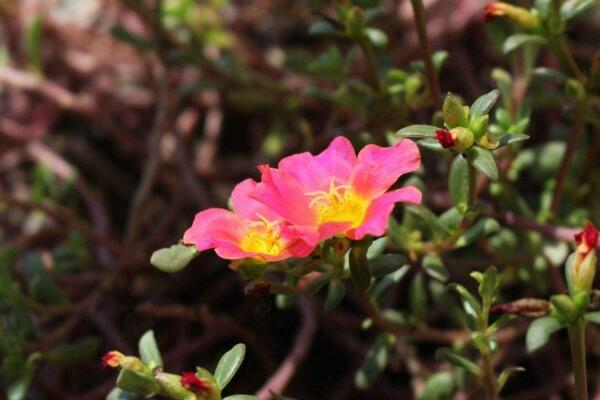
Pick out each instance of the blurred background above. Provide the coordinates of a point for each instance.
(119, 120)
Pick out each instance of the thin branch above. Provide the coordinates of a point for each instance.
(282, 377)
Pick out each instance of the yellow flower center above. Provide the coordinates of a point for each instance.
(339, 204)
(262, 237)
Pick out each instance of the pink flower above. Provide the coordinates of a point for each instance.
(251, 231)
(337, 192)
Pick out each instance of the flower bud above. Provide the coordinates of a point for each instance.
(455, 114)
(563, 308)
(112, 359)
(519, 15)
(202, 384)
(171, 386)
(581, 265)
(459, 139)
(116, 359)
(488, 141)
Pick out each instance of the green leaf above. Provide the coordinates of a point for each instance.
(40, 284)
(489, 284)
(377, 37)
(383, 287)
(468, 299)
(33, 43)
(241, 397)
(593, 317)
(517, 40)
(572, 8)
(137, 382)
(539, 332)
(386, 264)
(430, 219)
(375, 361)
(510, 138)
(500, 323)
(17, 389)
(417, 297)
(174, 258)
(229, 364)
(335, 294)
(322, 28)
(455, 114)
(454, 358)
(503, 378)
(418, 131)
(120, 394)
(480, 229)
(439, 386)
(484, 161)
(359, 267)
(458, 183)
(431, 144)
(434, 266)
(148, 349)
(484, 104)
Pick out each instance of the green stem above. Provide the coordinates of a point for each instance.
(432, 79)
(577, 341)
(489, 377)
(560, 49)
(371, 65)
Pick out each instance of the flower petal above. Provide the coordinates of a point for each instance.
(316, 172)
(282, 193)
(248, 207)
(378, 213)
(213, 227)
(377, 168)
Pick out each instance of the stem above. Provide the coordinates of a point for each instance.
(489, 378)
(577, 341)
(432, 79)
(560, 49)
(371, 65)
(572, 142)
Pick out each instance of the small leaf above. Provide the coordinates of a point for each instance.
(434, 266)
(593, 317)
(387, 282)
(417, 297)
(148, 350)
(517, 40)
(539, 332)
(174, 258)
(484, 104)
(489, 284)
(335, 294)
(484, 161)
(229, 364)
(430, 219)
(386, 264)
(439, 386)
(458, 183)
(572, 8)
(432, 144)
(377, 37)
(321, 28)
(480, 229)
(375, 361)
(505, 375)
(510, 138)
(418, 131)
(467, 297)
(455, 114)
(500, 323)
(120, 394)
(454, 358)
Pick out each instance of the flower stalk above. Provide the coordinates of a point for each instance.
(577, 341)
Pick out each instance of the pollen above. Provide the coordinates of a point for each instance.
(339, 204)
(262, 237)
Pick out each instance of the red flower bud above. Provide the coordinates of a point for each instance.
(112, 359)
(445, 138)
(190, 381)
(492, 11)
(588, 237)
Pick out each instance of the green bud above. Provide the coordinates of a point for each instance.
(170, 386)
(563, 308)
(455, 114)
(213, 392)
(488, 141)
(464, 138)
(580, 270)
(479, 126)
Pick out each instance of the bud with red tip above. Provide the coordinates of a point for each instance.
(112, 359)
(581, 265)
(519, 15)
(459, 139)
